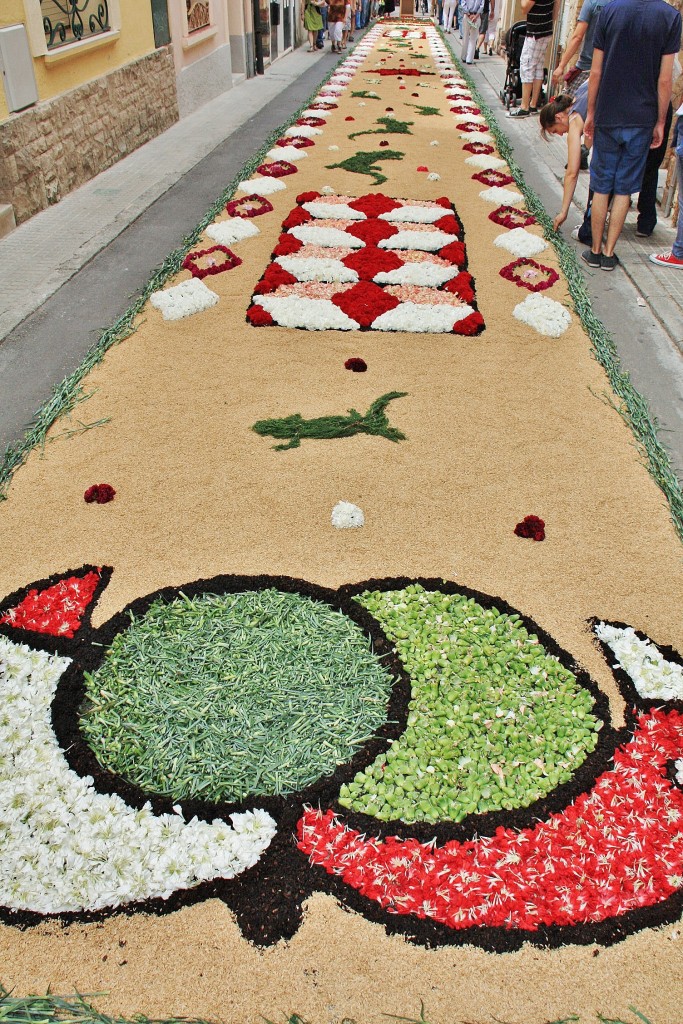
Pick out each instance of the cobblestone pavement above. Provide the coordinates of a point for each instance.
(71, 270)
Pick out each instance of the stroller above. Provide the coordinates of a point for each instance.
(511, 92)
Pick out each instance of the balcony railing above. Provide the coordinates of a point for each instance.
(70, 21)
(198, 15)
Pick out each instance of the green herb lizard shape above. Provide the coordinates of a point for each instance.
(390, 126)
(366, 163)
(294, 428)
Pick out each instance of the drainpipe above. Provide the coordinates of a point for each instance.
(258, 42)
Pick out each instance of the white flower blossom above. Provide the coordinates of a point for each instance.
(545, 315)
(500, 196)
(433, 176)
(311, 314)
(290, 153)
(261, 186)
(520, 242)
(236, 229)
(484, 162)
(345, 515)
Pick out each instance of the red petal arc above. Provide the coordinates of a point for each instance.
(56, 610)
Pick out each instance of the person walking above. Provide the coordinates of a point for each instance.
(312, 21)
(486, 14)
(449, 11)
(629, 91)
(336, 15)
(470, 29)
(675, 257)
(540, 18)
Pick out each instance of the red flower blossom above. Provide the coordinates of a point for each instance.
(356, 364)
(365, 302)
(461, 286)
(450, 224)
(259, 317)
(531, 527)
(369, 261)
(249, 206)
(422, 168)
(312, 122)
(274, 276)
(372, 231)
(389, 109)
(100, 493)
(478, 147)
(374, 205)
(228, 261)
(349, 118)
(298, 142)
(58, 610)
(296, 217)
(472, 126)
(307, 197)
(415, 94)
(445, 202)
(469, 325)
(459, 109)
(384, 143)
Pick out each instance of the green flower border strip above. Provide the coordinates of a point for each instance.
(69, 393)
(634, 408)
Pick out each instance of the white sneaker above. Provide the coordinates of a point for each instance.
(575, 233)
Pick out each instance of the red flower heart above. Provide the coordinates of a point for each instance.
(531, 527)
(422, 168)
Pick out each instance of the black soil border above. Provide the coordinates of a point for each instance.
(255, 297)
(267, 899)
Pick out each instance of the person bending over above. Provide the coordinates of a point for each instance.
(565, 115)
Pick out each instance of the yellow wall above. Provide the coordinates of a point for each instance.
(54, 77)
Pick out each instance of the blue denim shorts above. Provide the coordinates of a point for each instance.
(618, 159)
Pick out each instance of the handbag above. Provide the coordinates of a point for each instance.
(573, 73)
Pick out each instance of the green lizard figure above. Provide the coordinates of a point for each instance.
(293, 428)
(390, 127)
(366, 163)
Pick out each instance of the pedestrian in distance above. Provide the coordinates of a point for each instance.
(486, 14)
(450, 10)
(674, 258)
(312, 21)
(336, 15)
(629, 92)
(540, 18)
(470, 29)
(569, 81)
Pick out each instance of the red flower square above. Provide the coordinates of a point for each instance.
(277, 169)
(492, 177)
(259, 317)
(374, 205)
(370, 261)
(365, 302)
(511, 217)
(529, 274)
(372, 231)
(203, 263)
(249, 206)
(531, 527)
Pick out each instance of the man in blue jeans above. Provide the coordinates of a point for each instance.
(675, 257)
(629, 90)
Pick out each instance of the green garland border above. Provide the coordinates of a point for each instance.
(633, 407)
(69, 393)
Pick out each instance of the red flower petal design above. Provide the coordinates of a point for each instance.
(384, 143)
(274, 276)
(307, 197)
(374, 205)
(461, 286)
(529, 274)
(356, 364)
(259, 317)
(58, 610)
(511, 217)
(296, 217)
(371, 230)
(493, 177)
(287, 244)
(455, 252)
(478, 147)
(277, 169)
(445, 202)
(298, 142)
(469, 325)
(312, 122)
(365, 302)
(370, 261)
(228, 261)
(349, 118)
(450, 224)
(100, 493)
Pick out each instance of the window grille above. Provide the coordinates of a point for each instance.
(198, 15)
(70, 21)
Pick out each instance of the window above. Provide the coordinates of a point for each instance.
(198, 15)
(72, 21)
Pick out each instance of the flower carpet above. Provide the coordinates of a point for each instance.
(336, 710)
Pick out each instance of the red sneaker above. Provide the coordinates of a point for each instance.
(666, 259)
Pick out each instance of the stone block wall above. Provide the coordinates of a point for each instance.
(52, 148)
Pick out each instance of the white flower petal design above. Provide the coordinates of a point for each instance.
(427, 241)
(340, 211)
(428, 275)
(476, 137)
(304, 131)
(183, 299)
(520, 242)
(227, 232)
(313, 314)
(261, 186)
(485, 162)
(312, 235)
(346, 515)
(415, 214)
(420, 317)
(66, 848)
(316, 269)
(652, 675)
(545, 315)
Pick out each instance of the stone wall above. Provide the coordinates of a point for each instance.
(52, 148)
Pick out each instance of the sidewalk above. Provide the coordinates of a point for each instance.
(73, 269)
